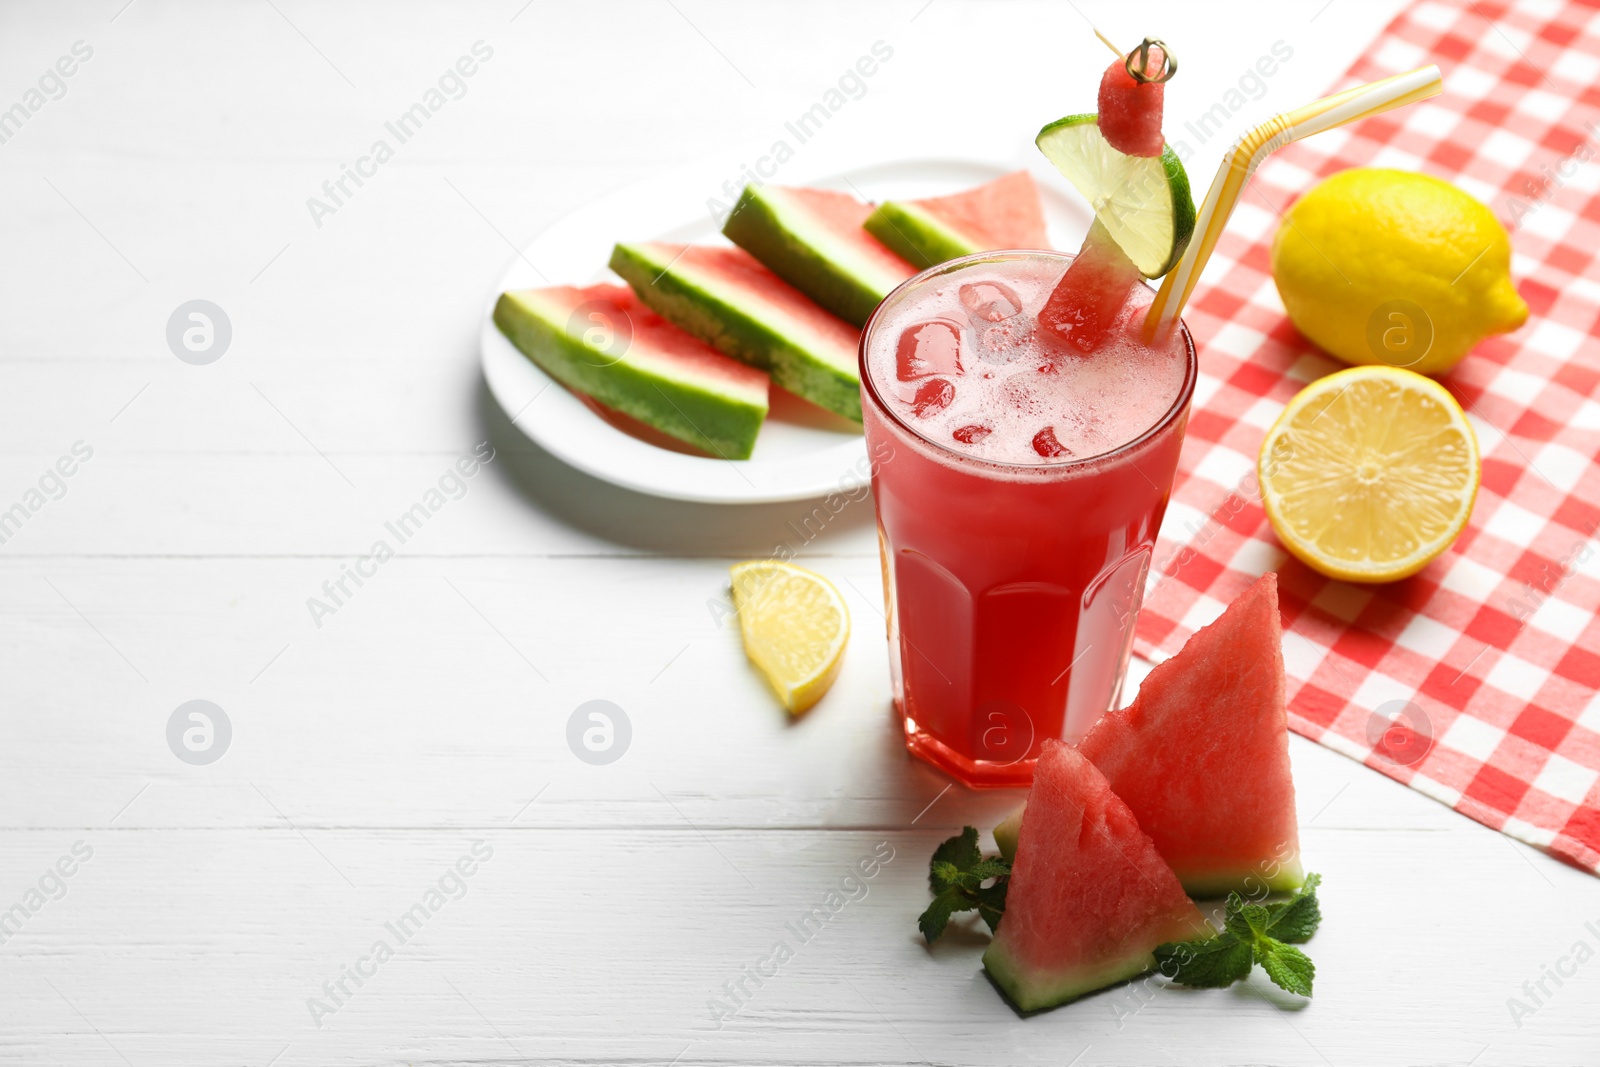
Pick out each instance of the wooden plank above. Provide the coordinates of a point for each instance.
(606, 945)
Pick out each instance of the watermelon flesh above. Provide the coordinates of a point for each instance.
(1130, 110)
(1089, 896)
(1087, 302)
(725, 297)
(603, 343)
(1004, 213)
(813, 239)
(1202, 754)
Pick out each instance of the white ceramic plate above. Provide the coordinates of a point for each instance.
(802, 451)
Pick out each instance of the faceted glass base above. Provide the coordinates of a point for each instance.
(976, 774)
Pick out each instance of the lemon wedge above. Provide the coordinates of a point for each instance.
(795, 626)
(1369, 474)
(1143, 202)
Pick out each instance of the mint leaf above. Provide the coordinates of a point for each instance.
(937, 916)
(956, 874)
(960, 851)
(1293, 921)
(992, 902)
(984, 870)
(1209, 963)
(1235, 920)
(1286, 965)
(1255, 933)
(1256, 918)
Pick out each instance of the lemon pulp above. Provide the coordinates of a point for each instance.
(1369, 474)
(795, 626)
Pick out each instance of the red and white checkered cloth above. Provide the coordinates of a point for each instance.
(1490, 656)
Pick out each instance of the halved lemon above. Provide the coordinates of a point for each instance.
(1369, 474)
(795, 626)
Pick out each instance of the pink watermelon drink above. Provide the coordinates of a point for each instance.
(1018, 506)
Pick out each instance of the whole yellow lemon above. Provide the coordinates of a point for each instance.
(1386, 266)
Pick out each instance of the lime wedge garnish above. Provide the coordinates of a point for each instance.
(1142, 201)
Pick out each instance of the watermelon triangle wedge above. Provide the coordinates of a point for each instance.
(1004, 213)
(1201, 756)
(1089, 898)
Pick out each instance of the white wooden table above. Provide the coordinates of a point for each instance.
(426, 718)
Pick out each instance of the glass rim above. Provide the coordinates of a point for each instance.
(870, 388)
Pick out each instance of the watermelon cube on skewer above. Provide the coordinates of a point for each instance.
(1130, 106)
(1089, 897)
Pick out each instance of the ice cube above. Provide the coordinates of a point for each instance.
(971, 435)
(1045, 443)
(999, 344)
(933, 396)
(989, 301)
(929, 348)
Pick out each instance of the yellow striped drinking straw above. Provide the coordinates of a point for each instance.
(1363, 101)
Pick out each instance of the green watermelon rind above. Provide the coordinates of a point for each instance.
(739, 330)
(916, 236)
(1218, 883)
(797, 250)
(720, 423)
(1007, 832)
(1039, 990)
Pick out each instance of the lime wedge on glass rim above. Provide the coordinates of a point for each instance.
(1142, 201)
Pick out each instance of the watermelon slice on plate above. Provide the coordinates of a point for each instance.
(603, 343)
(1004, 213)
(1089, 897)
(725, 297)
(1202, 754)
(812, 239)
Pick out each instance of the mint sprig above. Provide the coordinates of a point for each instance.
(1255, 933)
(956, 874)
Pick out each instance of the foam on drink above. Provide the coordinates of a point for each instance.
(960, 362)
